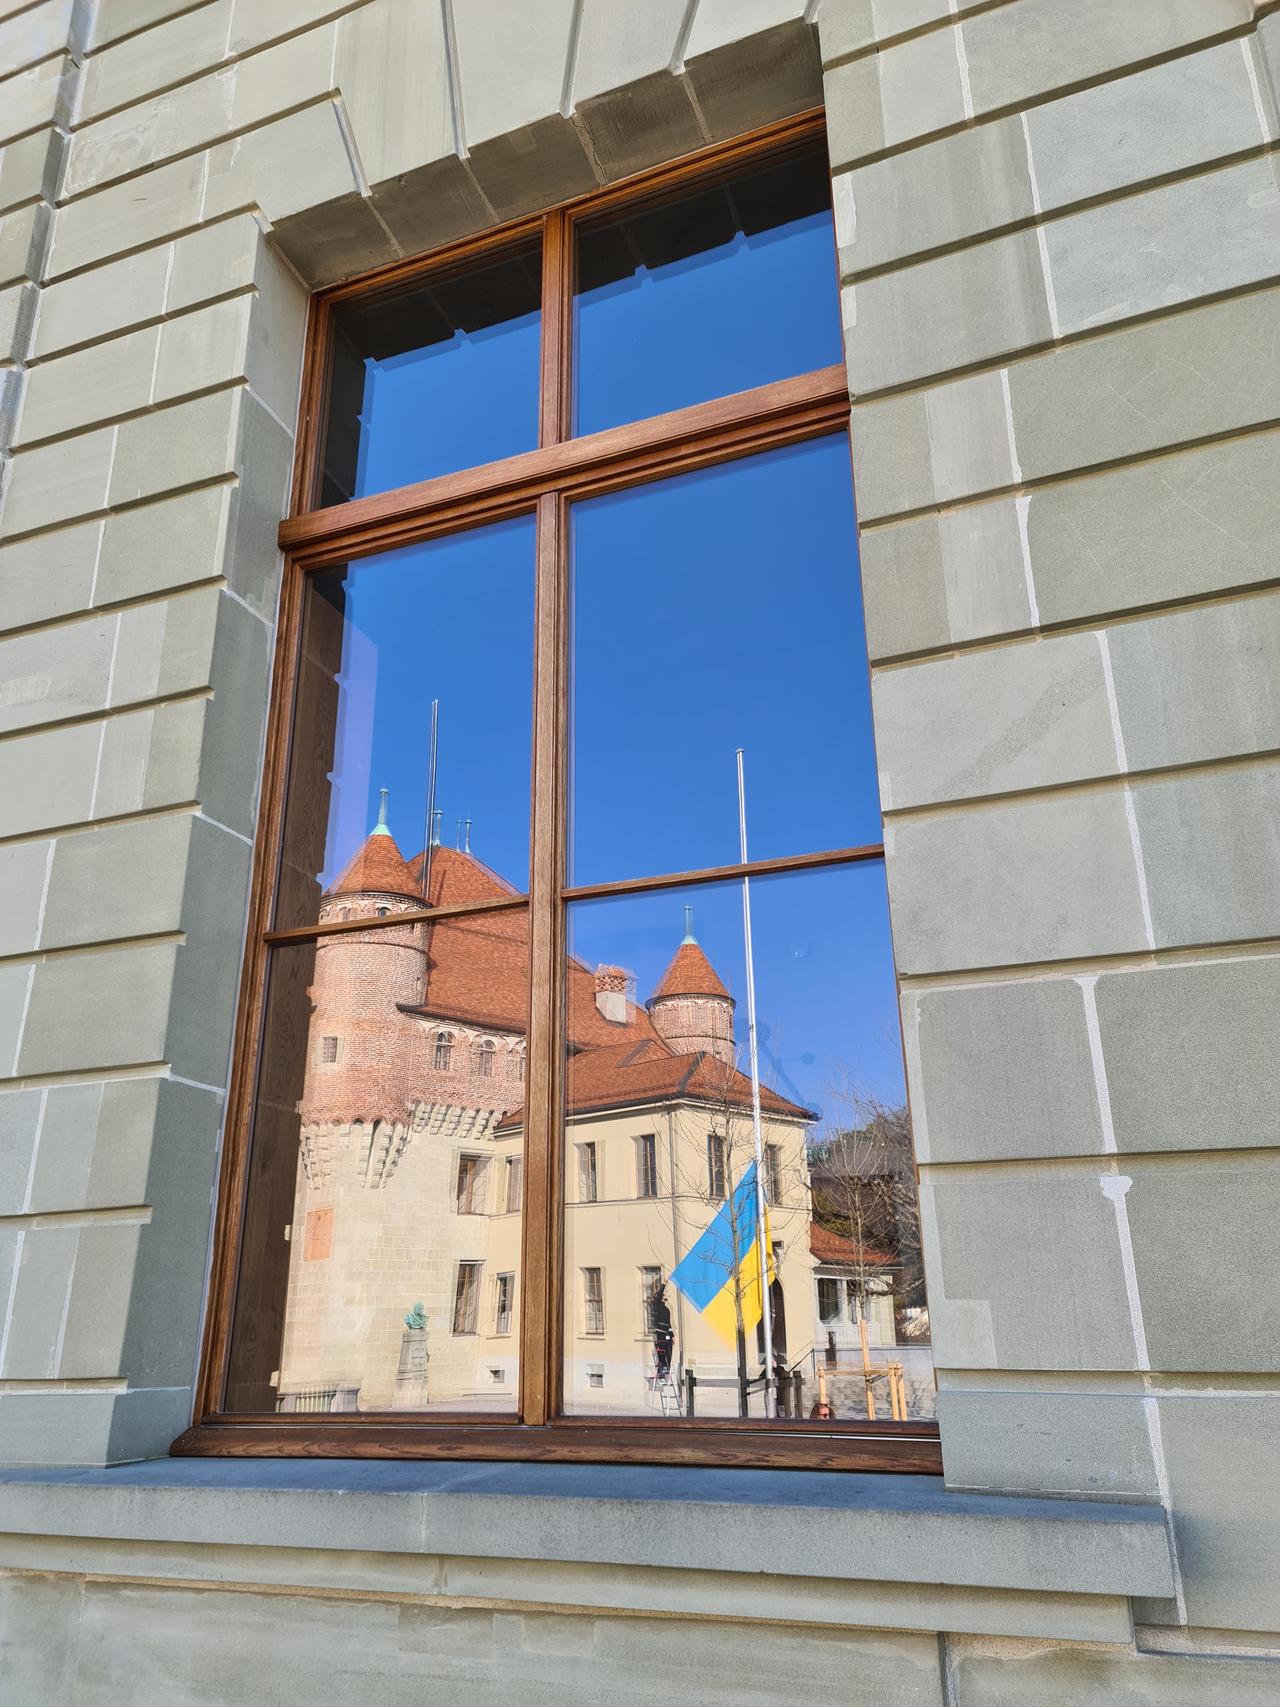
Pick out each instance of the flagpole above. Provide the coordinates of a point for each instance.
(431, 803)
(766, 1303)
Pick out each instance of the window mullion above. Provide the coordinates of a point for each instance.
(540, 1290)
(557, 301)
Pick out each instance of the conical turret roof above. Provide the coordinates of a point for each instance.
(690, 974)
(378, 869)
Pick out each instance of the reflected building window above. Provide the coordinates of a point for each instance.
(593, 1301)
(650, 1297)
(647, 1165)
(485, 1053)
(588, 1173)
(515, 1184)
(466, 1297)
(504, 1295)
(469, 1194)
(328, 1050)
(443, 1051)
(773, 1172)
(716, 1165)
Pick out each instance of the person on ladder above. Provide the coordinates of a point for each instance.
(664, 1338)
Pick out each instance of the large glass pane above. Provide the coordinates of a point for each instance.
(705, 293)
(449, 621)
(380, 1267)
(714, 611)
(662, 1303)
(436, 378)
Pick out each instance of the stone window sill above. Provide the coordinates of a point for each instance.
(895, 1552)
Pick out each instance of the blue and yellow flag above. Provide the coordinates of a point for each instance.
(707, 1275)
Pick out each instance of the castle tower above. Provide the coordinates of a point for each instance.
(357, 1059)
(691, 1010)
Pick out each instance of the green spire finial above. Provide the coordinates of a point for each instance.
(688, 927)
(380, 828)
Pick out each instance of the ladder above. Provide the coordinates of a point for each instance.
(664, 1395)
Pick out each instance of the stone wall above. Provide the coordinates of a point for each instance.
(1059, 244)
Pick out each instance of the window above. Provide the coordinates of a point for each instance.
(515, 1184)
(650, 1298)
(646, 1165)
(588, 1175)
(715, 1165)
(469, 1195)
(328, 1049)
(504, 1294)
(773, 1172)
(828, 1299)
(593, 1301)
(466, 1294)
(573, 528)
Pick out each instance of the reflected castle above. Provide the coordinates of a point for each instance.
(410, 1175)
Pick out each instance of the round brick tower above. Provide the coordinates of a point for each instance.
(691, 1010)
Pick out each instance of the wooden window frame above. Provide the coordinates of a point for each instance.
(543, 482)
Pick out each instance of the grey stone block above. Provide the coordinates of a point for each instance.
(932, 446)
(92, 385)
(107, 299)
(1203, 521)
(165, 647)
(231, 752)
(1005, 884)
(536, 167)
(494, 38)
(207, 965)
(1185, 240)
(1164, 720)
(936, 195)
(908, 90)
(952, 312)
(99, 1299)
(47, 779)
(636, 126)
(1193, 375)
(22, 238)
(168, 53)
(20, 1115)
(49, 674)
(144, 209)
(35, 33)
(58, 482)
(756, 79)
(852, 26)
(1041, 45)
(37, 1309)
(24, 868)
(29, 168)
(1192, 1055)
(1210, 848)
(939, 579)
(1071, 1677)
(264, 457)
(1222, 1451)
(39, 96)
(1198, 1228)
(218, 258)
(722, 23)
(123, 880)
(91, 1427)
(1024, 1271)
(1176, 117)
(15, 987)
(391, 69)
(99, 1010)
(1030, 715)
(1001, 1071)
(151, 758)
(1009, 1438)
(619, 46)
(292, 164)
(204, 348)
(158, 547)
(48, 576)
(175, 446)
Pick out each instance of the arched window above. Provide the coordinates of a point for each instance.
(517, 1064)
(444, 1051)
(484, 1058)
(383, 912)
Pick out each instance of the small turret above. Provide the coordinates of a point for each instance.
(691, 1010)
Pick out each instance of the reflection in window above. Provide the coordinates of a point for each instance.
(468, 1194)
(515, 1183)
(328, 1049)
(465, 1297)
(646, 1165)
(484, 1058)
(588, 1178)
(444, 1051)
(716, 1173)
(749, 634)
(504, 1294)
(670, 1075)
(593, 1301)
(435, 378)
(708, 292)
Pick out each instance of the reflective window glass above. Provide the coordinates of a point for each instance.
(449, 621)
(714, 290)
(714, 611)
(380, 1244)
(434, 378)
(658, 1089)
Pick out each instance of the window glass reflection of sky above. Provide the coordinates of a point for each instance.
(826, 993)
(451, 619)
(713, 611)
(748, 309)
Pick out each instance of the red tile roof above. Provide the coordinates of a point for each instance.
(377, 869)
(690, 974)
(839, 1252)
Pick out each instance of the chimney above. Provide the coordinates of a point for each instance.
(611, 993)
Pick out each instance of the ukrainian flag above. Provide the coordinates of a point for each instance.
(706, 1276)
